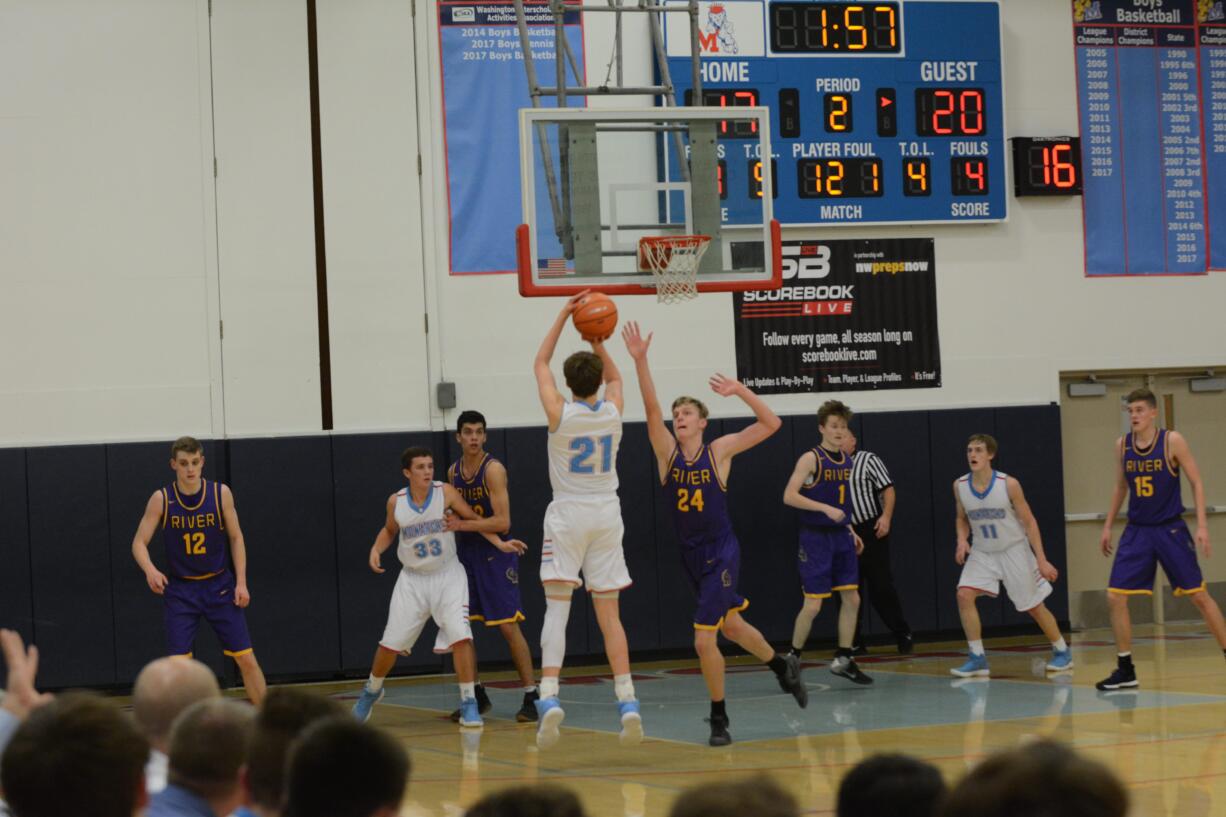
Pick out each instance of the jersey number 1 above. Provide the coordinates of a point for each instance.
(584, 448)
(194, 543)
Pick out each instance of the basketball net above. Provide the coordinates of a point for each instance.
(673, 261)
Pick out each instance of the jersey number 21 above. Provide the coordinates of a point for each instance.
(584, 449)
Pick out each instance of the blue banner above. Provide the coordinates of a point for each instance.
(1144, 77)
(484, 86)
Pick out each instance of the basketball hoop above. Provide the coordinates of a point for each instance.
(673, 261)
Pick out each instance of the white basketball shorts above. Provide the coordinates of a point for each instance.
(440, 594)
(1015, 567)
(583, 534)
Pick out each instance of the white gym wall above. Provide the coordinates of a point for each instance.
(119, 255)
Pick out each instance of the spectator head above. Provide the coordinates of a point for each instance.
(165, 688)
(284, 714)
(208, 749)
(757, 796)
(528, 801)
(373, 766)
(1039, 778)
(849, 442)
(76, 755)
(891, 786)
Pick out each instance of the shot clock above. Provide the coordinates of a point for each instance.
(1046, 166)
(881, 112)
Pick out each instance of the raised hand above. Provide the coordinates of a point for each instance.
(572, 303)
(724, 386)
(636, 344)
(21, 696)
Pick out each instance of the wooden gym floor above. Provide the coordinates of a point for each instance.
(1166, 740)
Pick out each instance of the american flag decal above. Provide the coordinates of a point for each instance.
(552, 267)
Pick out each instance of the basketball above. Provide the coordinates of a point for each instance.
(595, 317)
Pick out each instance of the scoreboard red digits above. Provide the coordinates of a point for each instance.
(880, 111)
(1047, 166)
(950, 112)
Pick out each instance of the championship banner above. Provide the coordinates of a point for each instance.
(850, 316)
(484, 85)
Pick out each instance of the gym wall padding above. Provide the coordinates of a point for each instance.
(16, 610)
(74, 624)
(284, 498)
(310, 507)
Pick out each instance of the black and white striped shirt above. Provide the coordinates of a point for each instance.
(868, 479)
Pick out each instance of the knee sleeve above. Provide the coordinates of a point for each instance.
(553, 632)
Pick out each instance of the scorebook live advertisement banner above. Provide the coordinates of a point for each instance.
(851, 316)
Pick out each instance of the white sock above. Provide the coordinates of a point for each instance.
(623, 687)
(976, 647)
(528, 690)
(467, 691)
(553, 632)
(549, 687)
(374, 683)
(1125, 654)
(1060, 646)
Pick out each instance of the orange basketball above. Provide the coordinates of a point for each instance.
(595, 317)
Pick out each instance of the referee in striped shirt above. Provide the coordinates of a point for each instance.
(872, 503)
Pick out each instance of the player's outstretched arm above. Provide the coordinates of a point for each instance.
(140, 542)
(500, 500)
(1117, 498)
(551, 399)
(805, 466)
(767, 422)
(1031, 525)
(963, 526)
(612, 377)
(383, 540)
(457, 505)
(1182, 454)
(662, 442)
(238, 547)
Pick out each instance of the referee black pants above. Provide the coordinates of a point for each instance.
(877, 581)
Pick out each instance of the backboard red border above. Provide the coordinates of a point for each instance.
(528, 289)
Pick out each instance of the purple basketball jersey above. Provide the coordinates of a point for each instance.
(697, 497)
(1153, 483)
(474, 492)
(830, 486)
(194, 533)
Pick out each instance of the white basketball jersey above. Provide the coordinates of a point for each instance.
(994, 525)
(424, 544)
(583, 450)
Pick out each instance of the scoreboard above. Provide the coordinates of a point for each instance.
(881, 112)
